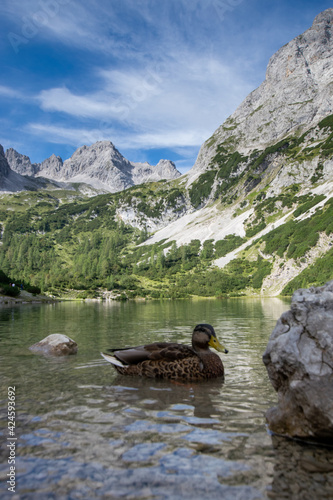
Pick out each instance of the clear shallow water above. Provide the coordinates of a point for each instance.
(85, 432)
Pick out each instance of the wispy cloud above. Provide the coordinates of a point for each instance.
(11, 93)
(95, 26)
(181, 103)
(164, 138)
(63, 100)
(65, 134)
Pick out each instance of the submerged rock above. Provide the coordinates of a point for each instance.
(299, 362)
(301, 472)
(56, 345)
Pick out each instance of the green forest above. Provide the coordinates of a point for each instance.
(79, 249)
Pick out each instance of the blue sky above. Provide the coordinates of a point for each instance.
(155, 77)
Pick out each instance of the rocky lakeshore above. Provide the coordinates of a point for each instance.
(25, 298)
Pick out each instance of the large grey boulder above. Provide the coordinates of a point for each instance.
(299, 362)
(56, 345)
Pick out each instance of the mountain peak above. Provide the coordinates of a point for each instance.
(296, 94)
(325, 17)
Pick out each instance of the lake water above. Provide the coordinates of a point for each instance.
(84, 432)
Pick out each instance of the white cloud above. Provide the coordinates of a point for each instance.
(62, 100)
(179, 103)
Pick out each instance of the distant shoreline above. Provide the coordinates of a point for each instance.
(26, 298)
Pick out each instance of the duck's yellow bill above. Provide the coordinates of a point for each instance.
(217, 345)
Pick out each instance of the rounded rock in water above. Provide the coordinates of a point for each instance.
(56, 344)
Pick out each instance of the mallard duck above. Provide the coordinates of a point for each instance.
(170, 360)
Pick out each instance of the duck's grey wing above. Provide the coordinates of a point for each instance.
(157, 351)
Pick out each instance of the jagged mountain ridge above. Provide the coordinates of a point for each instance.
(100, 165)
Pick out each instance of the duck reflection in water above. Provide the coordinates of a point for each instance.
(169, 360)
(165, 398)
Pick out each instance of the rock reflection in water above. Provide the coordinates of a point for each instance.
(302, 471)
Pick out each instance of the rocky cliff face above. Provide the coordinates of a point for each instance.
(13, 181)
(296, 94)
(21, 163)
(4, 167)
(101, 165)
